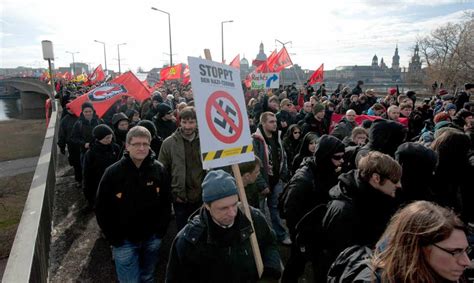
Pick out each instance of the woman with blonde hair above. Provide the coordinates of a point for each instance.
(424, 242)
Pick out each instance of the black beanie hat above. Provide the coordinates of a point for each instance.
(149, 126)
(164, 109)
(157, 98)
(87, 104)
(101, 131)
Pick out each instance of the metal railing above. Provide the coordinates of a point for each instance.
(29, 256)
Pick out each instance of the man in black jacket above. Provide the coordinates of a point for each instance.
(133, 208)
(215, 244)
(360, 207)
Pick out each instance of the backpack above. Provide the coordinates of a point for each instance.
(353, 265)
(310, 234)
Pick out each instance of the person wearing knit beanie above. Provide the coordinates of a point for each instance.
(217, 185)
(450, 109)
(101, 131)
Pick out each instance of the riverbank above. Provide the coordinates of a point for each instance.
(20, 145)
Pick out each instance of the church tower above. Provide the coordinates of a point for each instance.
(382, 64)
(261, 56)
(396, 60)
(375, 61)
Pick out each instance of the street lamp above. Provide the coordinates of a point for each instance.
(284, 43)
(222, 36)
(105, 54)
(118, 51)
(73, 62)
(169, 26)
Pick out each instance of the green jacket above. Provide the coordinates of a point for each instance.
(172, 156)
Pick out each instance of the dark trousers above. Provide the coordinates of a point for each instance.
(182, 211)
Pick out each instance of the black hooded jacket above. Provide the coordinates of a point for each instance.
(318, 127)
(82, 131)
(418, 164)
(303, 151)
(164, 128)
(357, 214)
(312, 181)
(384, 136)
(96, 160)
(290, 144)
(133, 203)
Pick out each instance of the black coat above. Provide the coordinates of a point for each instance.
(82, 131)
(66, 127)
(357, 214)
(133, 203)
(318, 127)
(96, 160)
(164, 129)
(311, 183)
(199, 255)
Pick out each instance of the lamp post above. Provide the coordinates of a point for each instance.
(118, 51)
(48, 54)
(284, 43)
(105, 54)
(169, 26)
(222, 37)
(73, 62)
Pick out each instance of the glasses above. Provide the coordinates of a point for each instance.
(456, 252)
(139, 145)
(297, 133)
(337, 157)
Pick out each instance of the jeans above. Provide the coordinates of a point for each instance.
(182, 211)
(136, 262)
(272, 202)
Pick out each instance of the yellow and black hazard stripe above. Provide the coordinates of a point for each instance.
(213, 155)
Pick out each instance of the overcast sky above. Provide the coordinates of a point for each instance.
(334, 32)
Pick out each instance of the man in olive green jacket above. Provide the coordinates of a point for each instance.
(180, 154)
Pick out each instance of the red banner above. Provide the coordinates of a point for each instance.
(264, 67)
(317, 76)
(104, 96)
(360, 118)
(171, 73)
(96, 77)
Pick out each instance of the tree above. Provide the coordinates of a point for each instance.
(449, 53)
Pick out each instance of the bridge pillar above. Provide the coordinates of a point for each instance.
(32, 100)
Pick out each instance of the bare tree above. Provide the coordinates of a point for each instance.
(449, 53)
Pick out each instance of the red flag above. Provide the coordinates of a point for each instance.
(104, 96)
(97, 76)
(360, 118)
(171, 73)
(317, 76)
(186, 76)
(257, 63)
(236, 62)
(280, 61)
(264, 68)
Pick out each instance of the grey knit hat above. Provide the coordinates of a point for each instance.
(218, 184)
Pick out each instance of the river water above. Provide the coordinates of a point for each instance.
(10, 109)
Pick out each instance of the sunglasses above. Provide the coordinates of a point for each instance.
(337, 157)
(296, 132)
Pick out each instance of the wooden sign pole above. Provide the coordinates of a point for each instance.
(245, 204)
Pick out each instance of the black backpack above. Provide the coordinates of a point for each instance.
(310, 235)
(353, 265)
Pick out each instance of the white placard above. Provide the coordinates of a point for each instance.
(265, 80)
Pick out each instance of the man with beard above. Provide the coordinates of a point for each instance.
(317, 123)
(181, 156)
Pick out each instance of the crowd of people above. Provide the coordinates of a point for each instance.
(390, 180)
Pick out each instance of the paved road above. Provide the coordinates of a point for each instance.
(17, 166)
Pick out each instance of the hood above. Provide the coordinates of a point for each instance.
(385, 136)
(327, 147)
(117, 118)
(303, 148)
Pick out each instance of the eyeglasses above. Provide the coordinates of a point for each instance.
(337, 157)
(456, 252)
(139, 145)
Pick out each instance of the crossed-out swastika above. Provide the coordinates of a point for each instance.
(223, 122)
(215, 106)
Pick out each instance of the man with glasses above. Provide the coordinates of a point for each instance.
(133, 208)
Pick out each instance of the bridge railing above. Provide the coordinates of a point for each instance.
(29, 256)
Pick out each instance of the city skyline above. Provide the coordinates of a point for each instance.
(336, 33)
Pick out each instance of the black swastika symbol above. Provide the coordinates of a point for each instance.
(223, 122)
